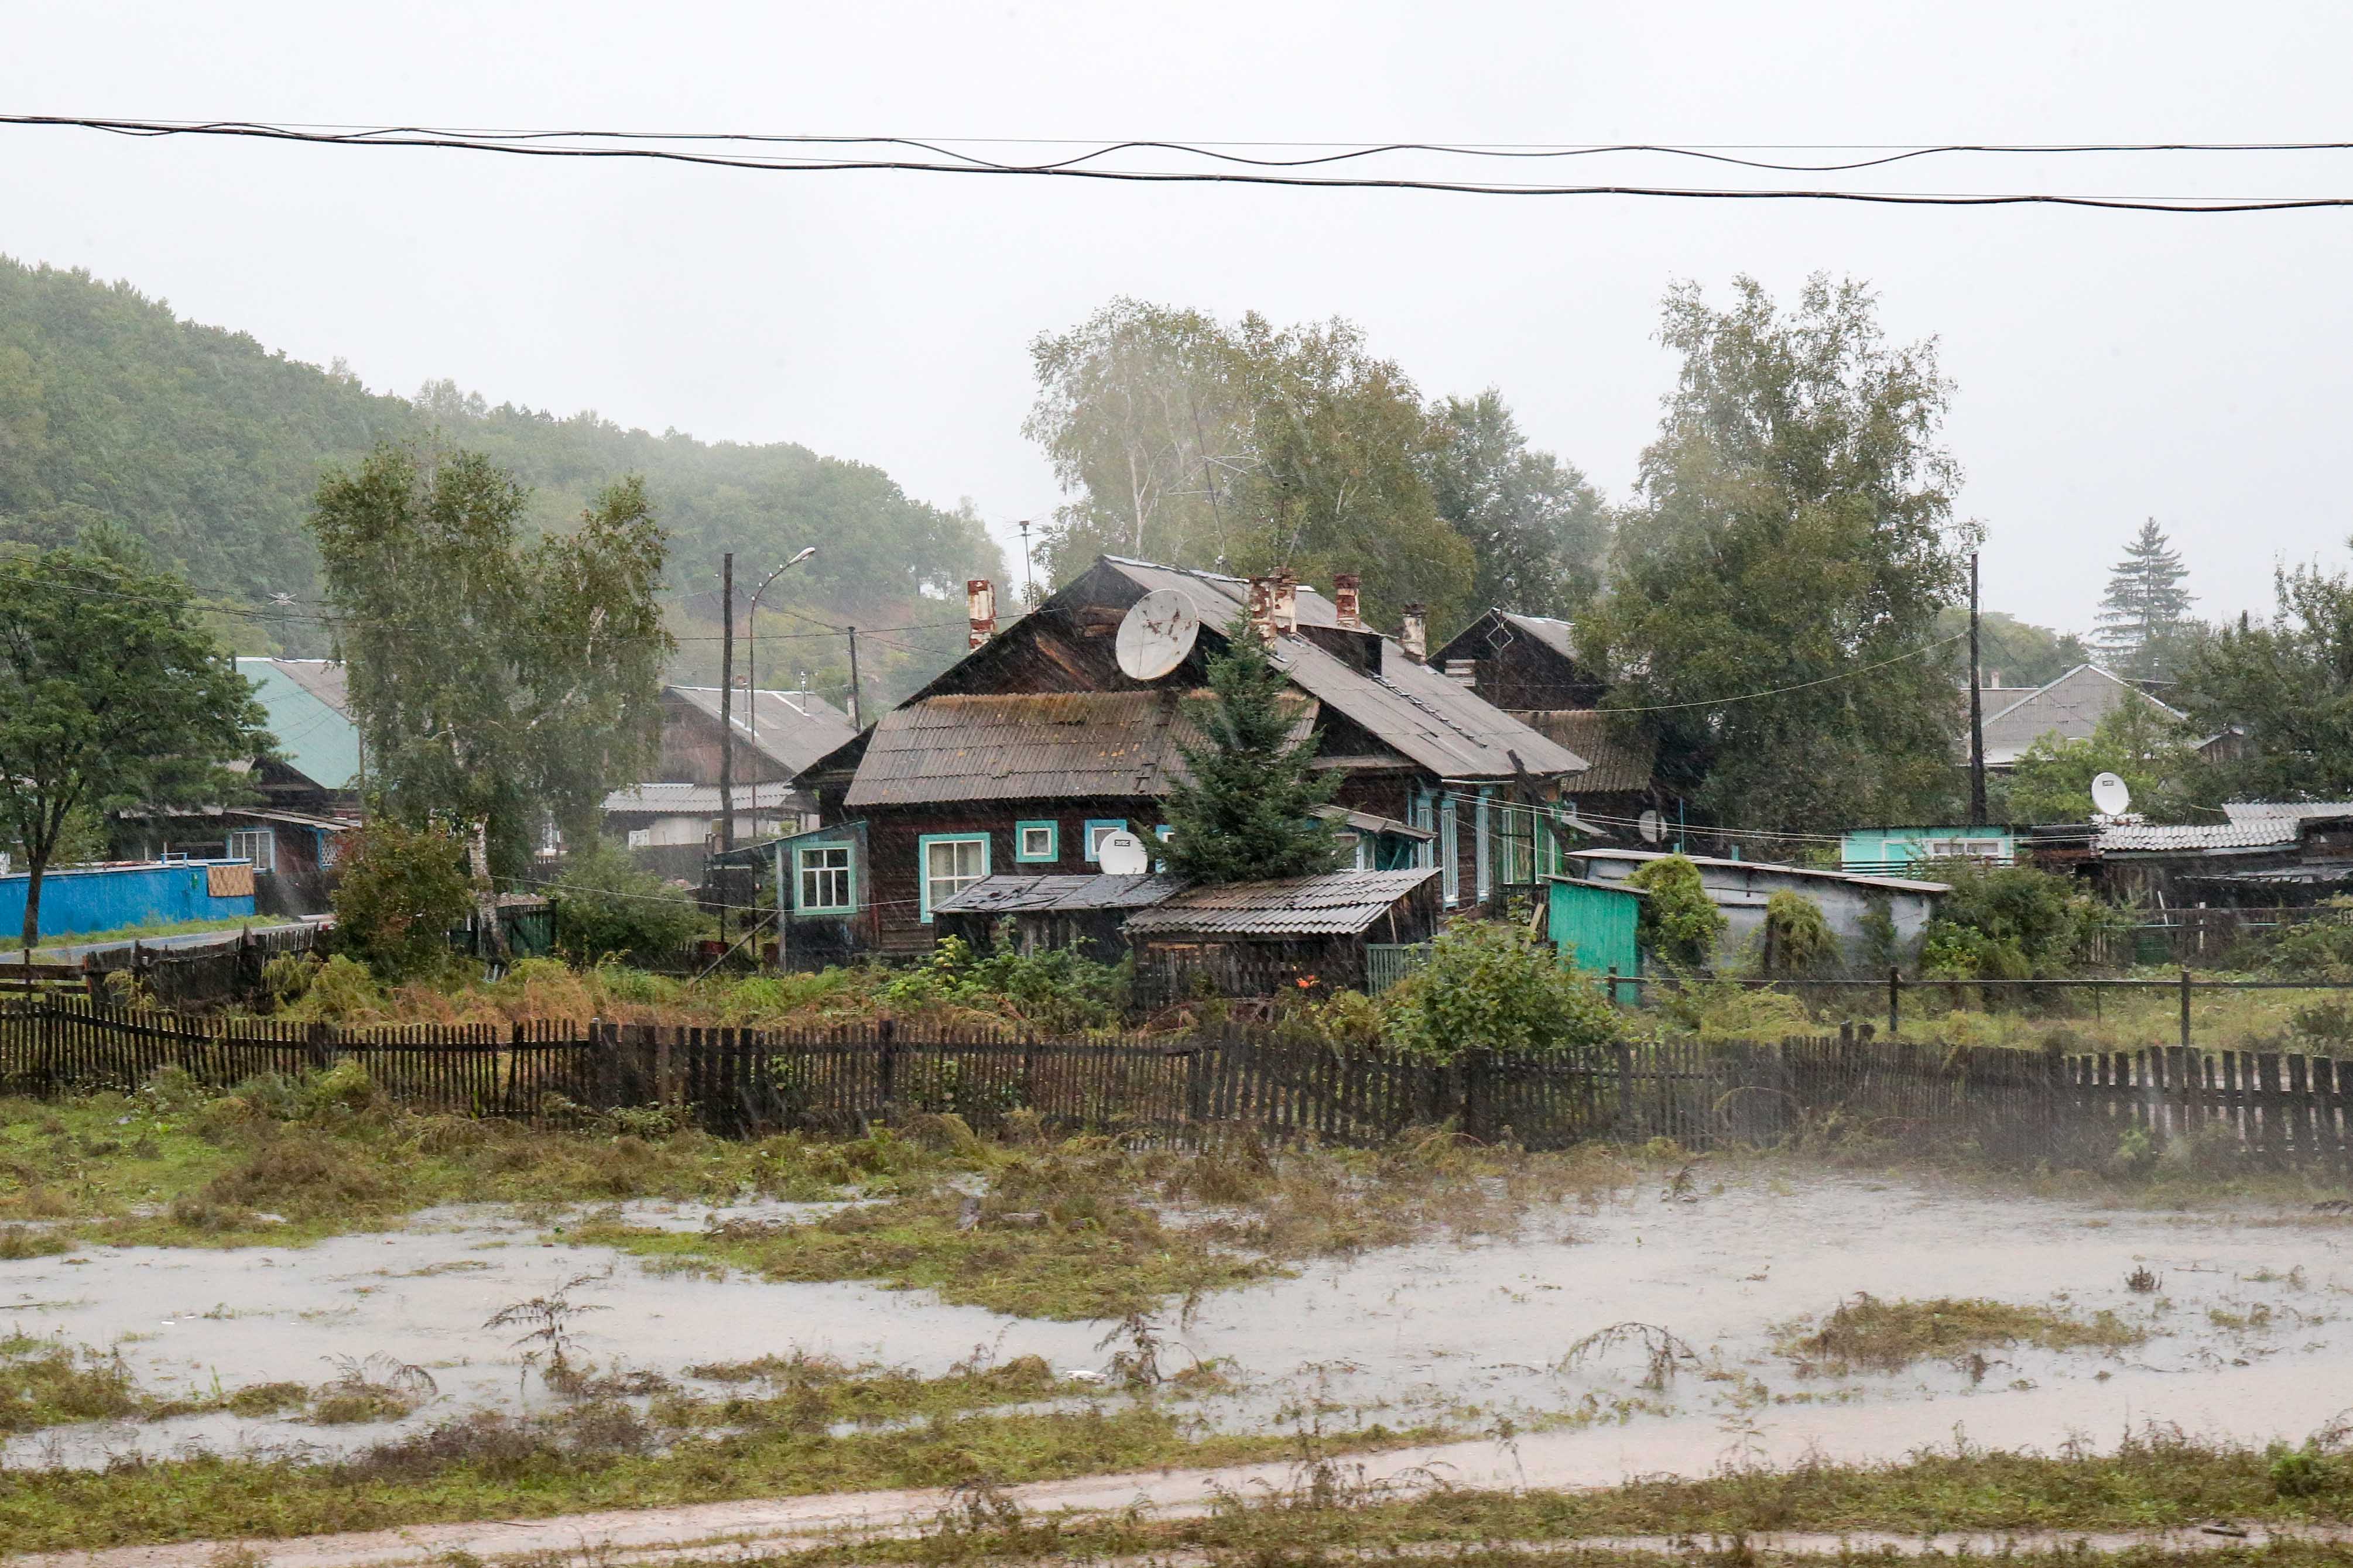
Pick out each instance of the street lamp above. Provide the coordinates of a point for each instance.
(751, 639)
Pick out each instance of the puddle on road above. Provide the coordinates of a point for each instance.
(2249, 1325)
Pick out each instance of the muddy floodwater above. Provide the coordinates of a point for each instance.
(2250, 1335)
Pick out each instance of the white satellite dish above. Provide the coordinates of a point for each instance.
(1123, 855)
(1156, 634)
(1652, 826)
(2109, 795)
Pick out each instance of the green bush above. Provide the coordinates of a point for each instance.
(2319, 949)
(1489, 986)
(402, 892)
(1059, 989)
(1798, 938)
(606, 905)
(2008, 922)
(1681, 925)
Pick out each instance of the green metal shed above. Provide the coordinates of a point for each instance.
(1593, 924)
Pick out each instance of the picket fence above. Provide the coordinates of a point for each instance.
(2257, 1109)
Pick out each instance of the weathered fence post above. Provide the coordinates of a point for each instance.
(320, 1052)
(888, 1031)
(2185, 1007)
(1894, 1001)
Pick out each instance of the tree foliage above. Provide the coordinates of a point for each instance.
(401, 892)
(1535, 525)
(606, 905)
(2020, 652)
(1792, 536)
(1247, 448)
(2145, 608)
(1246, 811)
(498, 680)
(209, 448)
(1680, 924)
(2288, 682)
(112, 697)
(1798, 938)
(2152, 752)
(1489, 985)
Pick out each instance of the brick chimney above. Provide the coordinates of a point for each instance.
(1347, 596)
(1286, 601)
(980, 609)
(1262, 608)
(1414, 636)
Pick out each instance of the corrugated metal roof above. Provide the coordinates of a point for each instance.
(2293, 810)
(308, 706)
(2264, 833)
(1338, 903)
(1611, 766)
(700, 800)
(1006, 895)
(791, 729)
(1025, 746)
(1438, 723)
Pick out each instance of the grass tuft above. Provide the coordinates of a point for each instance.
(1878, 1335)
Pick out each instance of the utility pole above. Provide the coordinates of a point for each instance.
(1028, 576)
(856, 721)
(727, 702)
(1976, 709)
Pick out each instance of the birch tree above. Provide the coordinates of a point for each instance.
(499, 683)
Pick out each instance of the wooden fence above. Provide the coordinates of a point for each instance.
(2254, 1109)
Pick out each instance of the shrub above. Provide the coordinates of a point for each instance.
(1059, 988)
(606, 905)
(2320, 949)
(1488, 986)
(2008, 922)
(1680, 924)
(1798, 938)
(403, 892)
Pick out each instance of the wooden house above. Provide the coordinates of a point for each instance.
(1024, 754)
(670, 823)
(1527, 666)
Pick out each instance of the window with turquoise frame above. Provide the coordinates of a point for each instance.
(822, 881)
(1450, 852)
(1098, 829)
(946, 864)
(1036, 841)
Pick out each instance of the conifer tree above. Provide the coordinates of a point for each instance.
(1247, 812)
(2146, 603)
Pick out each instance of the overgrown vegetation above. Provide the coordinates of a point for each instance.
(2008, 922)
(1680, 924)
(402, 892)
(1491, 986)
(605, 907)
(1875, 1335)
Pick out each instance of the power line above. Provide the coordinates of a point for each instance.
(935, 158)
(1800, 686)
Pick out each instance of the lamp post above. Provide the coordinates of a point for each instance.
(752, 648)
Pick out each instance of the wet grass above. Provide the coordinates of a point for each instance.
(1870, 1334)
(2157, 1479)
(606, 1454)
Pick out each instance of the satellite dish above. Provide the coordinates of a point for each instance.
(1652, 826)
(2109, 795)
(1156, 634)
(1123, 855)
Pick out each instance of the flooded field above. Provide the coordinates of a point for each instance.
(2230, 1325)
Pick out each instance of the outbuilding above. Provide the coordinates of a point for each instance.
(1876, 920)
(1253, 939)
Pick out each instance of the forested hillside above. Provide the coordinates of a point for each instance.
(209, 446)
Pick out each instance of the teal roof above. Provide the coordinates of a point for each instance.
(304, 700)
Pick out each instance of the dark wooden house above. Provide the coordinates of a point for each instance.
(1024, 754)
(670, 823)
(1527, 666)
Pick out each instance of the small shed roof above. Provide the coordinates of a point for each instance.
(1337, 903)
(2259, 833)
(1712, 862)
(1010, 895)
(2293, 810)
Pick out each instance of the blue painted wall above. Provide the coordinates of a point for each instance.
(107, 897)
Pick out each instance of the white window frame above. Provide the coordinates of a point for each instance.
(923, 877)
(259, 845)
(825, 873)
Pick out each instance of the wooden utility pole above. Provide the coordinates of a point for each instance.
(856, 721)
(1976, 709)
(727, 702)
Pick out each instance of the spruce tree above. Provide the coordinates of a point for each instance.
(1247, 812)
(2144, 603)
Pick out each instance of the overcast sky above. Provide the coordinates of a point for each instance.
(2111, 367)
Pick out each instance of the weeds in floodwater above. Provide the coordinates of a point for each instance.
(1871, 1334)
(370, 1388)
(2144, 1280)
(546, 1323)
(1663, 1355)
